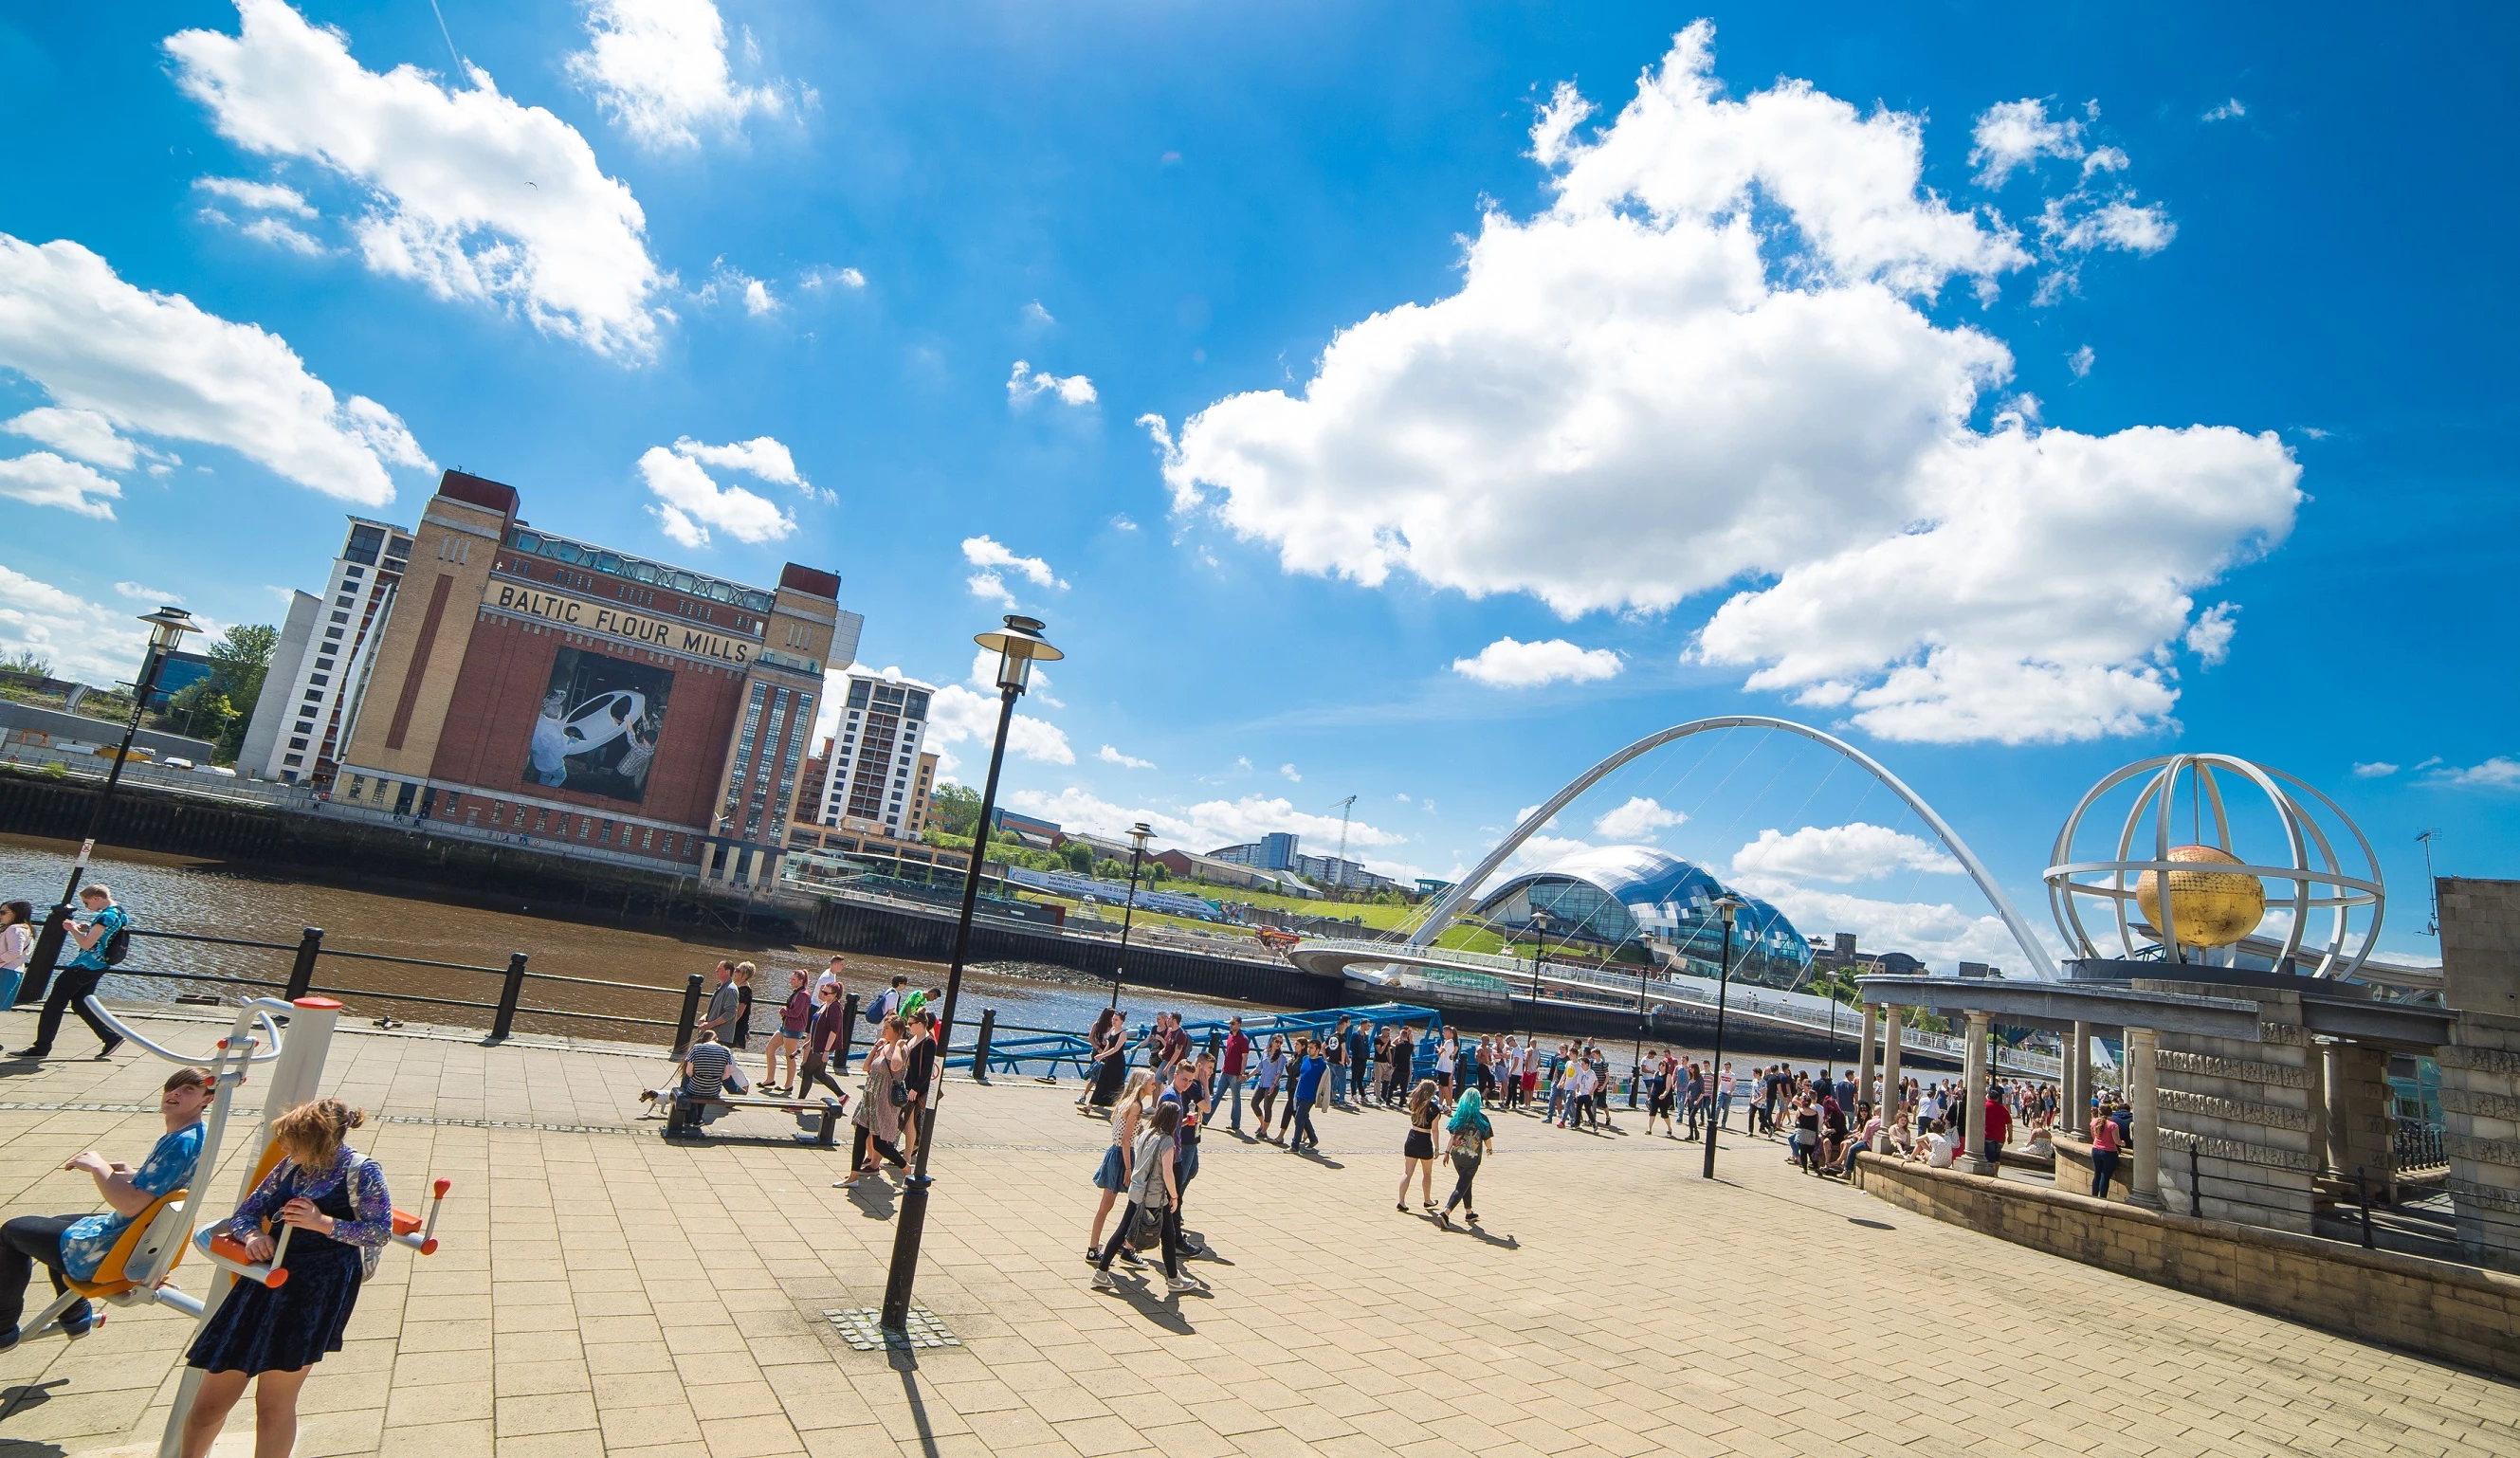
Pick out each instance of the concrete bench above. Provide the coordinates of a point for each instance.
(682, 1116)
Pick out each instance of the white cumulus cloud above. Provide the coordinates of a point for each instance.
(2230, 111)
(1212, 825)
(1111, 756)
(1646, 391)
(2501, 772)
(470, 193)
(44, 479)
(1509, 664)
(2013, 135)
(994, 560)
(138, 592)
(1025, 386)
(1289, 770)
(83, 433)
(1638, 819)
(1854, 852)
(155, 364)
(2375, 770)
(85, 640)
(956, 715)
(658, 68)
(690, 501)
(258, 197)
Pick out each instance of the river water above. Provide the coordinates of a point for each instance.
(179, 894)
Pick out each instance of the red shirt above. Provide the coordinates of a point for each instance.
(1999, 1122)
(1236, 1047)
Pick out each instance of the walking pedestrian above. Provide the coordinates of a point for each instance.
(1308, 1087)
(790, 1040)
(1111, 1041)
(1360, 1062)
(918, 1079)
(1152, 1191)
(823, 1034)
(2104, 1154)
(1119, 1159)
(1418, 1151)
(1468, 1137)
(1229, 1074)
(342, 1214)
(16, 944)
(881, 1098)
(100, 941)
(1268, 1073)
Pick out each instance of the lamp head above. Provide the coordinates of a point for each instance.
(1140, 833)
(1018, 644)
(167, 627)
(1727, 905)
(1539, 921)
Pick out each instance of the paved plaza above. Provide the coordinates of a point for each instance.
(600, 1290)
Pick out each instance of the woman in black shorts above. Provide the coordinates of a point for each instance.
(1418, 1156)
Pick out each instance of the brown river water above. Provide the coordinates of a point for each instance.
(179, 894)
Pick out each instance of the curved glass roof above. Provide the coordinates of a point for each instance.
(1614, 893)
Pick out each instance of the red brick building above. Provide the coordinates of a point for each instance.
(532, 686)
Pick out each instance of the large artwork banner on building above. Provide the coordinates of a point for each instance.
(600, 718)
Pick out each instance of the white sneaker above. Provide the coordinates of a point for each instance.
(1183, 1285)
(1102, 1281)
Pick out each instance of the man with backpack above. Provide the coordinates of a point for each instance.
(104, 940)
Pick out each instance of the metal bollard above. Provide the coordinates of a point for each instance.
(301, 971)
(506, 1017)
(980, 1048)
(690, 1014)
(848, 1029)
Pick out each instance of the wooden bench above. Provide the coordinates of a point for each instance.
(682, 1116)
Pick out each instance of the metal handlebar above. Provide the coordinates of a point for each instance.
(122, 1029)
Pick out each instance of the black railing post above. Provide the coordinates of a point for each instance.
(690, 1014)
(301, 972)
(48, 951)
(2362, 1197)
(980, 1050)
(849, 1028)
(2196, 1186)
(509, 989)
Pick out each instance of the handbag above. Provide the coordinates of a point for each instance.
(369, 1255)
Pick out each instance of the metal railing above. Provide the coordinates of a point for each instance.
(1800, 1009)
(308, 955)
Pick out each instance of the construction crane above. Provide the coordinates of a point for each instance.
(1346, 807)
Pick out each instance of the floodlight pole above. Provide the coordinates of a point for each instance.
(1017, 647)
(1724, 906)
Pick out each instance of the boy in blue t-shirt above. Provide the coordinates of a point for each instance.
(74, 983)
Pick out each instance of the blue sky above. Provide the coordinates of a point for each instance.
(2015, 395)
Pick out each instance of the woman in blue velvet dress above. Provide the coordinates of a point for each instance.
(342, 1216)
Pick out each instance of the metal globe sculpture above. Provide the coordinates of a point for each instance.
(2216, 907)
(2193, 895)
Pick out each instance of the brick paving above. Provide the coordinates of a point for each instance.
(602, 1291)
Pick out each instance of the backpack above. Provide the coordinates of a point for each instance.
(117, 945)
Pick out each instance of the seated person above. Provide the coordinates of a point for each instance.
(74, 1245)
(704, 1069)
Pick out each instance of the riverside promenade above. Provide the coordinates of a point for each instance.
(599, 1290)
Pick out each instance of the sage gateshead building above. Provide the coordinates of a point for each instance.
(1619, 896)
(533, 687)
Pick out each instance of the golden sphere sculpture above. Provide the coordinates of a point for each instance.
(2214, 907)
(2304, 872)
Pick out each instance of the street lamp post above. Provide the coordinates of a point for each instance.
(1020, 645)
(1727, 906)
(1539, 950)
(1139, 835)
(166, 629)
(1637, 1060)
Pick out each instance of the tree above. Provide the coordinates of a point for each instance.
(954, 809)
(1079, 856)
(27, 661)
(201, 710)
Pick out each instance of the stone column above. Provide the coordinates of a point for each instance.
(2145, 1182)
(1973, 1096)
(2077, 1113)
(1863, 1057)
(2323, 1154)
(1891, 1019)
(2357, 1114)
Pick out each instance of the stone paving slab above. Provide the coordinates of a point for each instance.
(599, 1290)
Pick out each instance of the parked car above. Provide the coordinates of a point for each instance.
(115, 752)
(173, 762)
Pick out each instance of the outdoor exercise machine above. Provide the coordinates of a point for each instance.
(137, 1270)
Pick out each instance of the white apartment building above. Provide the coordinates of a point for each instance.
(303, 715)
(875, 778)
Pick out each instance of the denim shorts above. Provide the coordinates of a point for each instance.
(1109, 1177)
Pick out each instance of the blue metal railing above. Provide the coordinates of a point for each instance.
(1052, 1049)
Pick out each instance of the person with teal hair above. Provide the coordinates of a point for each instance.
(1470, 1137)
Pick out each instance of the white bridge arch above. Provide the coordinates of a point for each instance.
(1468, 886)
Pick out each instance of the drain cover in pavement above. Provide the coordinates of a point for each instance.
(863, 1329)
